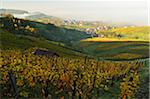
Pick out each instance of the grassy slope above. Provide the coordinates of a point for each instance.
(139, 33)
(134, 32)
(47, 31)
(13, 41)
(122, 49)
(97, 39)
(130, 30)
(116, 49)
(134, 43)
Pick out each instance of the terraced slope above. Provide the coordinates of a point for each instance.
(117, 50)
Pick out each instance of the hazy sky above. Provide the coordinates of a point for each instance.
(126, 11)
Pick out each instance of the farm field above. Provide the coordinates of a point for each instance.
(115, 49)
(140, 33)
(70, 78)
(134, 32)
(41, 60)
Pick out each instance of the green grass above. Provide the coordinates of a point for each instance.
(143, 90)
(13, 41)
(98, 39)
(116, 50)
(46, 31)
(139, 33)
(45, 36)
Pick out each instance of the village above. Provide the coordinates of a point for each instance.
(92, 27)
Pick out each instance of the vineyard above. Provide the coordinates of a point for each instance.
(69, 64)
(115, 50)
(68, 78)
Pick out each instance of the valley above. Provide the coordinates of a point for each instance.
(74, 60)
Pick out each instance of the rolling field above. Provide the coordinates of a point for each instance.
(136, 33)
(97, 39)
(85, 68)
(116, 49)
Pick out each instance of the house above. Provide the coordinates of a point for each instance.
(45, 53)
(101, 35)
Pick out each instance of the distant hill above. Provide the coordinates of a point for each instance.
(34, 16)
(137, 32)
(41, 17)
(25, 14)
(12, 11)
(37, 15)
(44, 18)
(134, 32)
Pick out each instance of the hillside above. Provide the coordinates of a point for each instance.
(41, 34)
(37, 15)
(41, 30)
(14, 41)
(139, 33)
(41, 17)
(12, 11)
(115, 49)
(34, 16)
(98, 39)
(134, 32)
